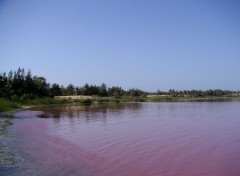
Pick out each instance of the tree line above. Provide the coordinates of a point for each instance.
(22, 85)
(199, 93)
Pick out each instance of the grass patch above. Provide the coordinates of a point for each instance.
(119, 99)
(6, 105)
(86, 101)
(44, 101)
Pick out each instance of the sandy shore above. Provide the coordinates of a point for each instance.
(7, 157)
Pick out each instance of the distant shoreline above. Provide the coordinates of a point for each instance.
(6, 106)
(148, 98)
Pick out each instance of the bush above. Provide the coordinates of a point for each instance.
(6, 105)
(86, 101)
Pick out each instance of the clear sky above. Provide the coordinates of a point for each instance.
(151, 44)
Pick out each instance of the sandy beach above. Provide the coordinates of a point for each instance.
(7, 156)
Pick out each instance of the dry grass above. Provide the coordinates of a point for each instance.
(74, 97)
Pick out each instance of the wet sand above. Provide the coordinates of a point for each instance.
(7, 156)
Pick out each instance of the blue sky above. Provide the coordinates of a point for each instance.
(162, 44)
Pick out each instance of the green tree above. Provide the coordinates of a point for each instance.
(55, 90)
(93, 90)
(70, 89)
(3, 84)
(135, 92)
(18, 82)
(29, 85)
(115, 91)
(41, 86)
(103, 90)
(86, 90)
(63, 90)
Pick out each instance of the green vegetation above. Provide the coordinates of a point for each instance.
(18, 88)
(6, 105)
(18, 85)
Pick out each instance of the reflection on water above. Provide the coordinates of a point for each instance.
(87, 111)
(74, 114)
(177, 139)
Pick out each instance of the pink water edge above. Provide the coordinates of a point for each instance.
(147, 140)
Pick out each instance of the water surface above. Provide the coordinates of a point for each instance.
(135, 139)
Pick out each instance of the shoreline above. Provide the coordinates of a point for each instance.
(9, 106)
(6, 154)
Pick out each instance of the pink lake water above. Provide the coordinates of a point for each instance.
(132, 139)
